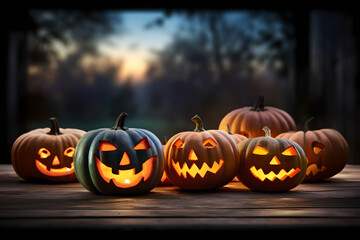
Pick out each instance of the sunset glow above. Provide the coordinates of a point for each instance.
(134, 67)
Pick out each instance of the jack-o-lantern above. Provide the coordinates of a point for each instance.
(269, 164)
(119, 160)
(249, 121)
(46, 154)
(200, 159)
(326, 150)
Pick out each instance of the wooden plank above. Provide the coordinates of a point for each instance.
(332, 203)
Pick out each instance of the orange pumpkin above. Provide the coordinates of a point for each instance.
(199, 159)
(46, 154)
(326, 150)
(237, 137)
(269, 164)
(249, 121)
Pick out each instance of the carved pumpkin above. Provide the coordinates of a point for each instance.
(119, 160)
(269, 164)
(326, 150)
(46, 154)
(201, 159)
(249, 121)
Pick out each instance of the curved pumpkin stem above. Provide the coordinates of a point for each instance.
(259, 104)
(229, 130)
(120, 122)
(199, 124)
(306, 124)
(54, 129)
(267, 131)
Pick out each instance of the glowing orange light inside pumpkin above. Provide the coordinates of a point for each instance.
(125, 160)
(282, 175)
(209, 143)
(44, 153)
(53, 171)
(56, 161)
(290, 151)
(192, 155)
(163, 178)
(258, 150)
(318, 147)
(69, 152)
(178, 144)
(275, 161)
(126, 178)
(143, 144)
(107, 146)
(194, 169)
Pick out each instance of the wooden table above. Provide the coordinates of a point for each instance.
(333, 205)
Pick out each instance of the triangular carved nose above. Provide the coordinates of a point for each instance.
(56, 161)
(275, 161)
(125, 160)
(192, 155)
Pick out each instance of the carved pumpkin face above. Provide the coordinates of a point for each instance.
(326, 150)
(55, 164)
(119, 160)
(201, 159)
(115, 165)
(46, 155)
(269, 164)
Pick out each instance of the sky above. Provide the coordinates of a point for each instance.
(135, 45)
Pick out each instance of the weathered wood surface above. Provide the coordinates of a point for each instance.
(332, 204)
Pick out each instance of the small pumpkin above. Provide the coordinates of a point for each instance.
(199, 159)
(326, 150)
(119, 160)
(249, 121)
(269, 164)
(46, 153)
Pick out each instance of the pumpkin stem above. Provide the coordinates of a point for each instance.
(54, 130)
(267, 131)
(306, 124)
(199, 124)
(229, 130)
(120, 121)
(259, 104)
(164, 141)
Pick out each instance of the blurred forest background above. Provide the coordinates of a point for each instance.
(68, 64)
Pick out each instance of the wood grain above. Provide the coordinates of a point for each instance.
(333, 204)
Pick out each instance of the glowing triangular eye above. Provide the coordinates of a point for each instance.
(143, 144)
(209, 143)
(258, 150)
(318, 147)
(290, 151)
(178, 144)
(106, 146)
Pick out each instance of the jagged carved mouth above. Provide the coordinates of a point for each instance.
(313, 168)
(126, 178)
(281, 175)
(194, 169)
(54, 172)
